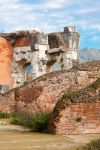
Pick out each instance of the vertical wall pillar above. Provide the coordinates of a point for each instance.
(35, 64)
(72, 41)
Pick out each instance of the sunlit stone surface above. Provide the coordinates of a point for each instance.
(5, 63)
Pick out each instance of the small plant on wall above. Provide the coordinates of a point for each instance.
(61, 59)
(62, 66)
(78, 119)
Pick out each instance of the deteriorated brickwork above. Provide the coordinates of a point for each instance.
(79, 118)
(6, 55)
(7, 102)
(87, 66)
(78, 112)
(43, 93)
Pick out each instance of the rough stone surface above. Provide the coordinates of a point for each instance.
(67, 122)
(7, 102)
(43, 93)
(41, 52)
(6, 54)
(78, 112)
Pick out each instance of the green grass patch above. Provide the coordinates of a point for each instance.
(37, 122)
(93, 145)
(4, 115)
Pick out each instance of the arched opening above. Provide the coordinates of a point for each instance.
(53, 65)
(56, 66)
(25, 70)
(28, 72)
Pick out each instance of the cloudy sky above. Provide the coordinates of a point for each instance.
(53, 15)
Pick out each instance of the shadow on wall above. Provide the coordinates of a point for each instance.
(56, 66)
(4, 88)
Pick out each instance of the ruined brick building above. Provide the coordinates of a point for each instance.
(26, 55)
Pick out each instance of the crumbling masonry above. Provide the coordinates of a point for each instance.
(35, 53)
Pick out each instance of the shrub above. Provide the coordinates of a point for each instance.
(21, 120)
(4, 115)
(36, 122)
(41, 122)
(93, 145)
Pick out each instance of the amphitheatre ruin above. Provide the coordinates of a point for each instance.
(72, 93)
(26, 55)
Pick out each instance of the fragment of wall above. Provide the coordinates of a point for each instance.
(78, 118)
(6, 55)
(43, 93)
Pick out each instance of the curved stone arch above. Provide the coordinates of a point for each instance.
(56, 66)
(22, 64)
(53, 59)
(53, 66)
(19, 74)
(28, 69)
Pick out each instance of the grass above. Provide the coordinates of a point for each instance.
(93, 145)
(37, 122)
(4, 115)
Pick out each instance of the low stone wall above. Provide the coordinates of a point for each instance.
(77, 118)
(7, 102)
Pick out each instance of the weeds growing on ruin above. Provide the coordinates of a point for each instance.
(4, 115)
(37, 122)
(93, 145)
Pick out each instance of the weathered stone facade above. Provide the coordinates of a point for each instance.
(40, 51)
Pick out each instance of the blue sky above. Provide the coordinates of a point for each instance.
(53, 15)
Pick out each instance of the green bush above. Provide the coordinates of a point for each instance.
(4, 115)
(23, 121)
(36, 122)
(41, 122)
(93, 145)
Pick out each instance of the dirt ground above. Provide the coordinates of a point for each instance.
(18, 138)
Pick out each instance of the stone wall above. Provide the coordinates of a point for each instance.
(7, 102)
(6, 55)
(77, 112)
(41, 51)
(43, 93)
(78, 119)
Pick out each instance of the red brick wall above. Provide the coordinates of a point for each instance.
(43, 93)
(6, 56)
(7, 102)
(78, 119)
(22, 42)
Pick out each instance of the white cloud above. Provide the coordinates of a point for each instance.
(53, 4)
(49, 14)
(15, 14)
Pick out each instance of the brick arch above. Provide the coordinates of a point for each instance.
(43, 93)
(77, 112)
